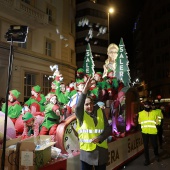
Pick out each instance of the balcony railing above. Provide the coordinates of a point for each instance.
(26, 9)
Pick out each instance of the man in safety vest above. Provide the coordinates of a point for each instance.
(93, 130)
(159, 113)
(148, 121)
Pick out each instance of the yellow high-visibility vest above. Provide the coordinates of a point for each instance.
(87, 131)
(160, 115)
(148, 121)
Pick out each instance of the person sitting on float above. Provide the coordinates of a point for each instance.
(81, 75)
(113, 84)
(53, 116)
(31, 125)
(94, 91)
(14, 106)
(102, 85)
(74, 99)
(35, 104)
(53, 87)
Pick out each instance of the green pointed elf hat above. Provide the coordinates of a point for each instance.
(99, 73)
(36, 88)
(79, 81)
(14, 93)
(80, 71)
(27, 116)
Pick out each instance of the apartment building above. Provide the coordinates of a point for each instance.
(92, 28)
(152, 49)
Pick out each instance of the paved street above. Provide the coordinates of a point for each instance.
(137, 164)
(163, 164)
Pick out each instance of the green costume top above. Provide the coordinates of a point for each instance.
(94, 92)
(40, 100)
(50, 116)
(72, 93)
(62, 97)
(103, 85)
(14, 109)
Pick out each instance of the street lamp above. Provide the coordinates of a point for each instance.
(110, 11)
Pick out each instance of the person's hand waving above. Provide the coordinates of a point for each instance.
(88, 84)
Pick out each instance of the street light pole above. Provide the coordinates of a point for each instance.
(108, 28)
(110, 11)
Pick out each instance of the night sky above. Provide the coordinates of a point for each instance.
(122, 22)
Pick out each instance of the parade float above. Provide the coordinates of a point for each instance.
(121, 105)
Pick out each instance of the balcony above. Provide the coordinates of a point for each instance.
(23, 11)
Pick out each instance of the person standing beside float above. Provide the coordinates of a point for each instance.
(93, 130)
(148, 120)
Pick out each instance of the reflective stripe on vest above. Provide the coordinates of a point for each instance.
(88, 130)
(148, 122)
(86, 140)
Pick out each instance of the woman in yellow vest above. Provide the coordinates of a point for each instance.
(93, 130)
(148, 121)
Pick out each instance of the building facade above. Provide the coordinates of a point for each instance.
(152, 52)
(92, 28)
(50, 41)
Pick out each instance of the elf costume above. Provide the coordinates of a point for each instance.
(113, 83)
(102, 85)
(62, 96)
(94, 92)
(52, 117)
(14, 106)
(74, 99)
(36, 101)
(31, 125)
(80, 74)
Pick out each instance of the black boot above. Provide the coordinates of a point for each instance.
(146, 163)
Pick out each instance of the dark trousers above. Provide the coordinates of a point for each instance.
(86, 166)
(153, 139)
(160, 133)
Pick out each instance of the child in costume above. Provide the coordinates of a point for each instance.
(94, 91)
(31, 125)
(80, 74)
(102, 85)
(74, 99)
(52, 116)
(36, 102)
(14, 106)
(113, 83)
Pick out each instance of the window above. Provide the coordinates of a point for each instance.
(50, 11)
(49, 47)
(46, 84)
(29, 82)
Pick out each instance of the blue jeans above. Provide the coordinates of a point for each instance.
(86, 166)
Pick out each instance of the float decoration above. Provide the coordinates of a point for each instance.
(122, 65)
(88, 64)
